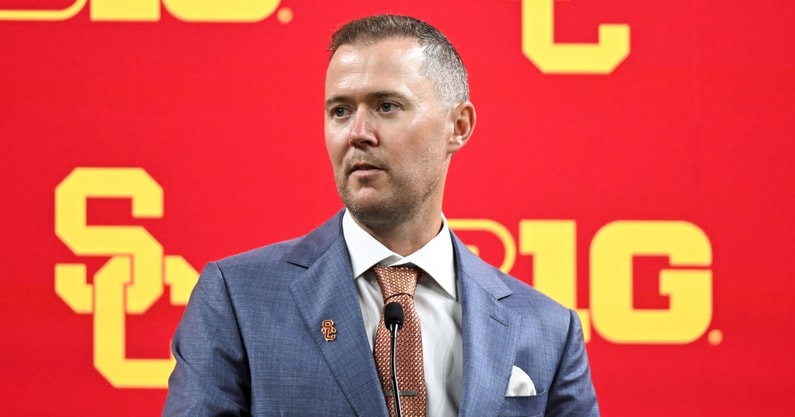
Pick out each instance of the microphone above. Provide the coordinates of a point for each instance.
(393, 315)
(393, 319)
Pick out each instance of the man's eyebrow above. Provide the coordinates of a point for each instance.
(373, 96)
(335, 99)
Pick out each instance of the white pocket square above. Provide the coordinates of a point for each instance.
(520, 384)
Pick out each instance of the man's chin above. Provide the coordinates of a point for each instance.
(365, 209)
(363, 199)
(372, 213)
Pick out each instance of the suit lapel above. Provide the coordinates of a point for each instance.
(490, 333)
(325, 291)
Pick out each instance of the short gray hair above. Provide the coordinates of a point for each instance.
(443, 66)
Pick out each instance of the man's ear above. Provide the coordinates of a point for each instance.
(463, 117)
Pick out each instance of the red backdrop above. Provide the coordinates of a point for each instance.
(645, 180)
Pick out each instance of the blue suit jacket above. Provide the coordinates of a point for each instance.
(250, 340)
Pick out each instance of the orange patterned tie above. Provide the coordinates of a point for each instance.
(398, 284)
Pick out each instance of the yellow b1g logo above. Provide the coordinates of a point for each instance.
(687, 282)
(149, 10)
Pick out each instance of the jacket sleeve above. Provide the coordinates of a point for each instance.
(572, 392)
(211, 376)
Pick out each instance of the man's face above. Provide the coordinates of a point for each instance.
(388, 132)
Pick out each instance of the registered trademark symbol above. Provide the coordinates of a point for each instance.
(284, 15)
(715, 337)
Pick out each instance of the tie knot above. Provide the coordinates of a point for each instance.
(396, 280)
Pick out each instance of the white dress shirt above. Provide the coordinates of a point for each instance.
(436, 301)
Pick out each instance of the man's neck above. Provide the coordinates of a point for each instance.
(408, 236)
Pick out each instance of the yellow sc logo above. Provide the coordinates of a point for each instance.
(538, 45)
(131, 281)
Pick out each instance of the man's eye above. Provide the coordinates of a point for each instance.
(338, 112)
(387, 107)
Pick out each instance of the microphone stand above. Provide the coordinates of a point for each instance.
(393, 319)
(393, 346)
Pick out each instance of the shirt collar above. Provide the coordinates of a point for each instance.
(435, 258)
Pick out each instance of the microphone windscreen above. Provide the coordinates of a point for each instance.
(393, 314)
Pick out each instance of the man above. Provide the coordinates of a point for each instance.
(290, 329)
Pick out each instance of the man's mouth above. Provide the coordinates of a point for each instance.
(362, 166)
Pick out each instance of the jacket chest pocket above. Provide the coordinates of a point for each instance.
(524, 406)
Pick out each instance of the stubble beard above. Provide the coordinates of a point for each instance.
(394, 209)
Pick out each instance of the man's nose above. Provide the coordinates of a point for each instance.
(363, 129)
